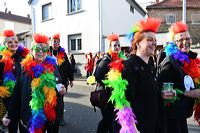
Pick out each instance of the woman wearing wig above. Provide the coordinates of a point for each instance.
(11, 55)
(181, 69)
(138, 83)
(36, 94)
(106, 124)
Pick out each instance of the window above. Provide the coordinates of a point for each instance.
(75, 43)
(195, 18)
(46, 11)
(131, 9)
(74, 5)
(170, 18)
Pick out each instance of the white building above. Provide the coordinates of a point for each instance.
(21, 26)
(84, 24)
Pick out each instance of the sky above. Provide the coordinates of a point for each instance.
(18, 7)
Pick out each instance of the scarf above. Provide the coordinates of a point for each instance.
(43, 95)
(9, 79)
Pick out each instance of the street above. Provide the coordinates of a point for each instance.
(80, 116)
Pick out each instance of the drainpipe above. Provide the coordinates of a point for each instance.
(184, 11)
(100, 25)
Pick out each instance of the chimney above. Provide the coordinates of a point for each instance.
(9, 12)
(28, 15)
(6, 10)
(157, 1)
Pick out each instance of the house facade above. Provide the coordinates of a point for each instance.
(170, 11)
(84, 25)
(21, 26)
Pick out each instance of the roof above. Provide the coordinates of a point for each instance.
(137, 7)
(175, 4)
(16, 18)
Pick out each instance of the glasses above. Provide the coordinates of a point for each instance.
(184, 39)
(44, 49)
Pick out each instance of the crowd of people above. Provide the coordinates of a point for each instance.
(150, 92)
(33, 83)
(144, 94)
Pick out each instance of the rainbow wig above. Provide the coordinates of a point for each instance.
(176, 28)
(150, 24)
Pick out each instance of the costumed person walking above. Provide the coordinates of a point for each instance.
(142, 92)
(72, 62)
(179, 80)
(11, 55)
(107, 111)
(36, 93)
(135, 90)
(64, 67)
(89, 65)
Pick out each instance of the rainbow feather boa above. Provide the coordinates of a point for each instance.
(125, 116)
(60, 57)
(43, 85)
(191, 67)
(9, 79)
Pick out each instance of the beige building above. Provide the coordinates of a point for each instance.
(170, 11)
(21, 26)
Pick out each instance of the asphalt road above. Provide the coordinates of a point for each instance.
(80, 116)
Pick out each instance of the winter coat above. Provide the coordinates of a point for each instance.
(65, 69)
(142, 93)
(20, 102)
(171, 71)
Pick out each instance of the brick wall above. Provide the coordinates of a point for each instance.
(194, 29)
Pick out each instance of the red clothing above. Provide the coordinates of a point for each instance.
(89, 65)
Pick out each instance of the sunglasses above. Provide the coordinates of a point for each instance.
(44, 49)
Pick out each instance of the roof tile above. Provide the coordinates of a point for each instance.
(12, 17)
(175, 4)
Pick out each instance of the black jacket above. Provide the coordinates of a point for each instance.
(142, 93)
(16, 71)
(66, 70)
(171, 71)
(20, 102)
(102, 69)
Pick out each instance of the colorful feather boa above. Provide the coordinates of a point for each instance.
(60, 56)
(190, 67)
(43, 85)
(9, 78)
(114, 80)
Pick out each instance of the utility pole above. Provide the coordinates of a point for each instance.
(184, 11)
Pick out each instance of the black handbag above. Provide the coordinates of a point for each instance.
(99, 98)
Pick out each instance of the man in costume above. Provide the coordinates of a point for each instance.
(64, 66)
